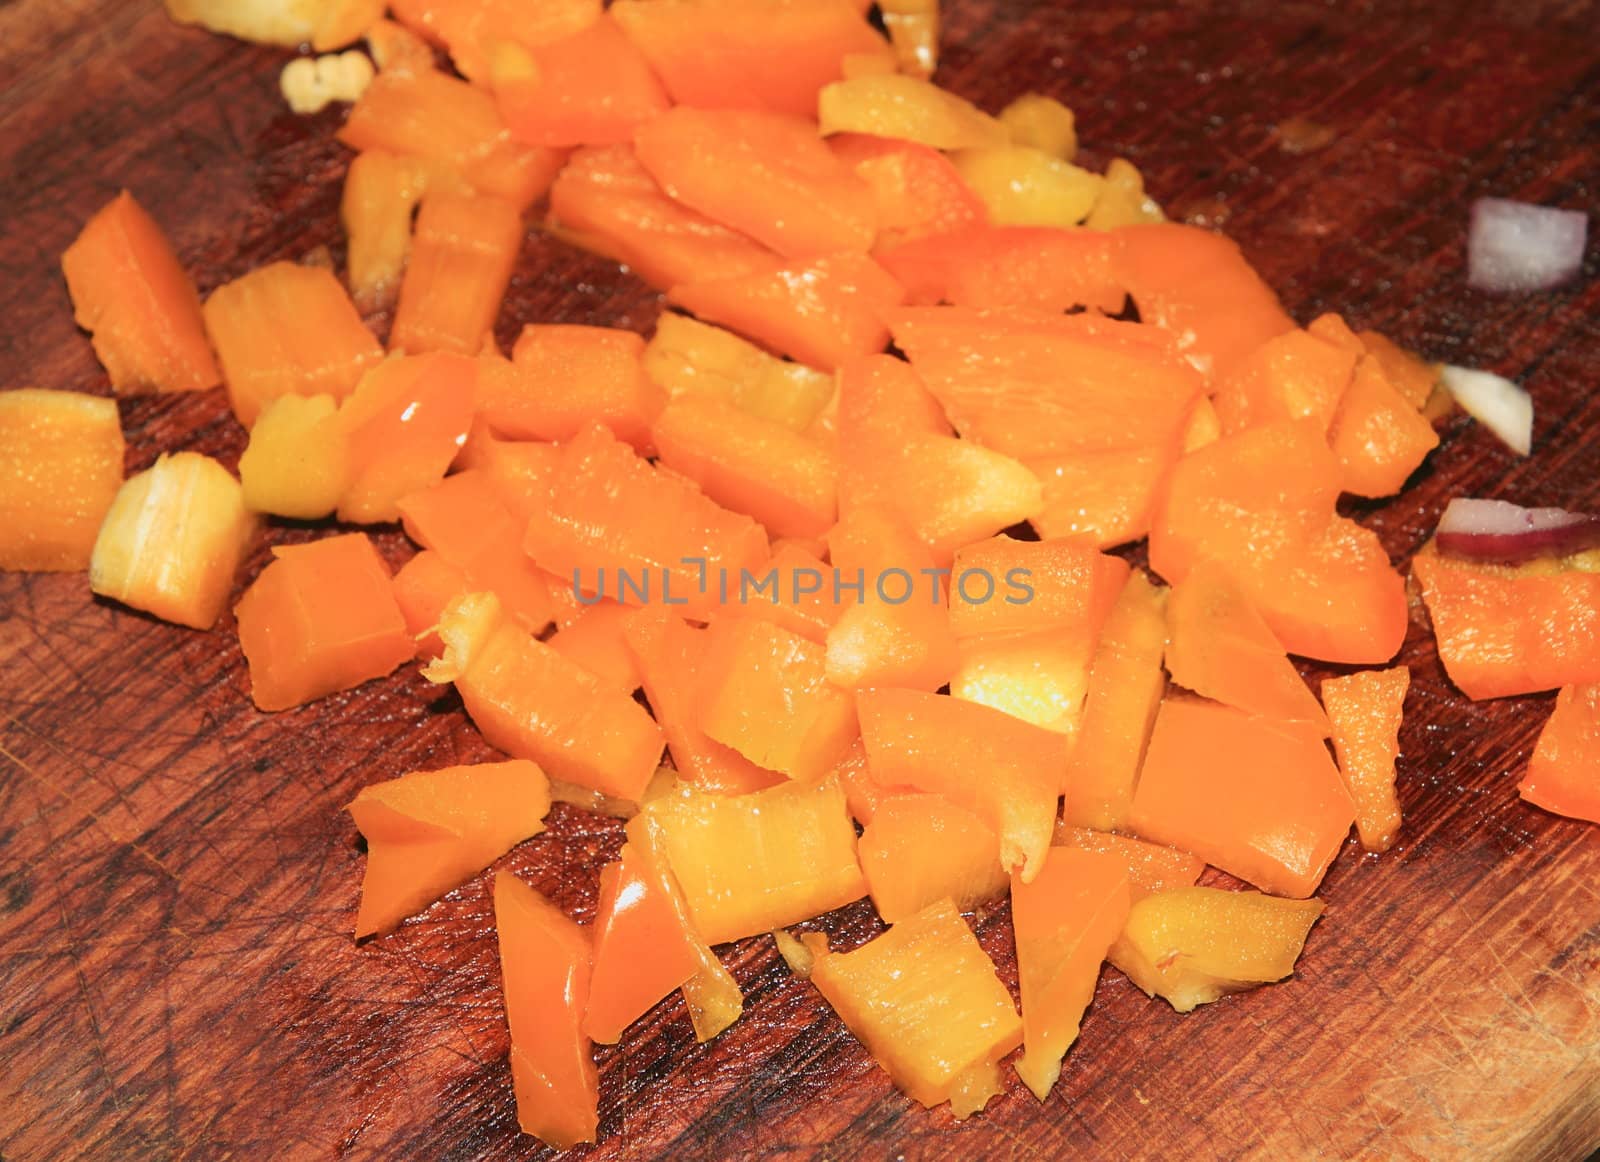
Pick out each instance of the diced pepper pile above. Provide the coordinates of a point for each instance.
(873, 599)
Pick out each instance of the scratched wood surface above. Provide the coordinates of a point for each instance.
(178, 882)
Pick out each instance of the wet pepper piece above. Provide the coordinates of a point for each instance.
(597, 641)
(320, 618)
(1365, 711)
(429, 832)
(796, 593)
(917, 191)
(1564, 773)
(1294, 376)
(748, 54)
(520, 470)
(533, 703)
(1066, 921)
(423, 588)
(919, 849)
(466, 246)
(381, 192)
(767, 175)
(606, 201)
(470, 29)
(1022, 186)
(1259, 799)
(1006, 770)
(564, 378)
(1503, 631)
(60, 468)
(695, 360)
(926, 1001)
(141, 307)
(298, 461)
(1377, 433)
(1039, 268)
(285, 329)
(1151, 867)
(545, 966)
(889, 105)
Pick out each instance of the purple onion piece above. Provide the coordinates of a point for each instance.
(1496, 530)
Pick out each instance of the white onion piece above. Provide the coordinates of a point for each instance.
(1496, 530)
(1496, 403)
(1517, 246)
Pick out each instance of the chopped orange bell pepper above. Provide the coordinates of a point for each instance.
(461, 262)
(1365, 710)
(566, 377)
(1564, 774)
(466, 521)
(1041, 268)
(1007, 770)
(891, 105)
(343, 22)
(1259, 799)
(1023, 186)
(767, 175)
(1293, 376)
(428, 832)
(823, 312)
(898, 631)
(297, 463)
(403, 426)
(1066, 921)
(1377, 434)
(920, 849)
(917, 191)
(617, 526)
(913, 27)
(1106, 495)
(285, 329)
(141, 307)
(796, 593)
(597, 642)
(520, 470)
(1261, 505)
(381, 192)
(591, 88)
(470, 29)
(61, 458)
(1123, 201)
(750, 465)
(456, 130)
(1410, 376)
(925, 999)
(1151, 867)
(1042, 122)
(532, 702)
(693, 359)
(1219, 646)
(173, 539)
(396, 48)
(751, 863)
(545, 965)
(765, 692)
(668, 651)
(1504, 631)
(861, 791)
(423, 588)
(320, 618)
(1126, 683)
(1198, 286)
(605, 201)
(739, 54)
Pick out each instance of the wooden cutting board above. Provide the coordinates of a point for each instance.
(177, 878)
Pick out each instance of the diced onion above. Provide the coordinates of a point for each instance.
(1496, 403)
(1516, 246)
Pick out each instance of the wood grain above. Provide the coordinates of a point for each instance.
(178, 881)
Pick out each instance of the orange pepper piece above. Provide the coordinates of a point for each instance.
(597, 642)
(465, 519)
(564, 377)
(668, 651)
(285, 329)
(751, 863)
(917, 191)
(466, 246)
(861, 791)
(607, 202)
(429, 832)
(1294, 376)
(796, 593)
(1126, 683)
(591, 88)
(1504, 631)
(751, 465)
(61, 458)
(139, 305)
(1377, 433)
(898, 631)
(1007, 770)
(618, 526)
(908, 108)
(1066, 921)
(533, 703)
(735, 54)
(320, 618)
(1151, 867)
(925, 999)
(1562, 775)
(545, 966)
(1259, 799)
(920, 849)
(767, 175)
(822, 312)
(470, 29)
(1410, 376)
(1198, 286)
(765, 692)
(1107, 495)
(297, 463)
(691, 358)
(455, 129)
(1043, 268)
(520, 470)
(1261, 505)
(1219, 646)
(1365, 711)
(381, 192)
(423, 588)
(403, 426)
